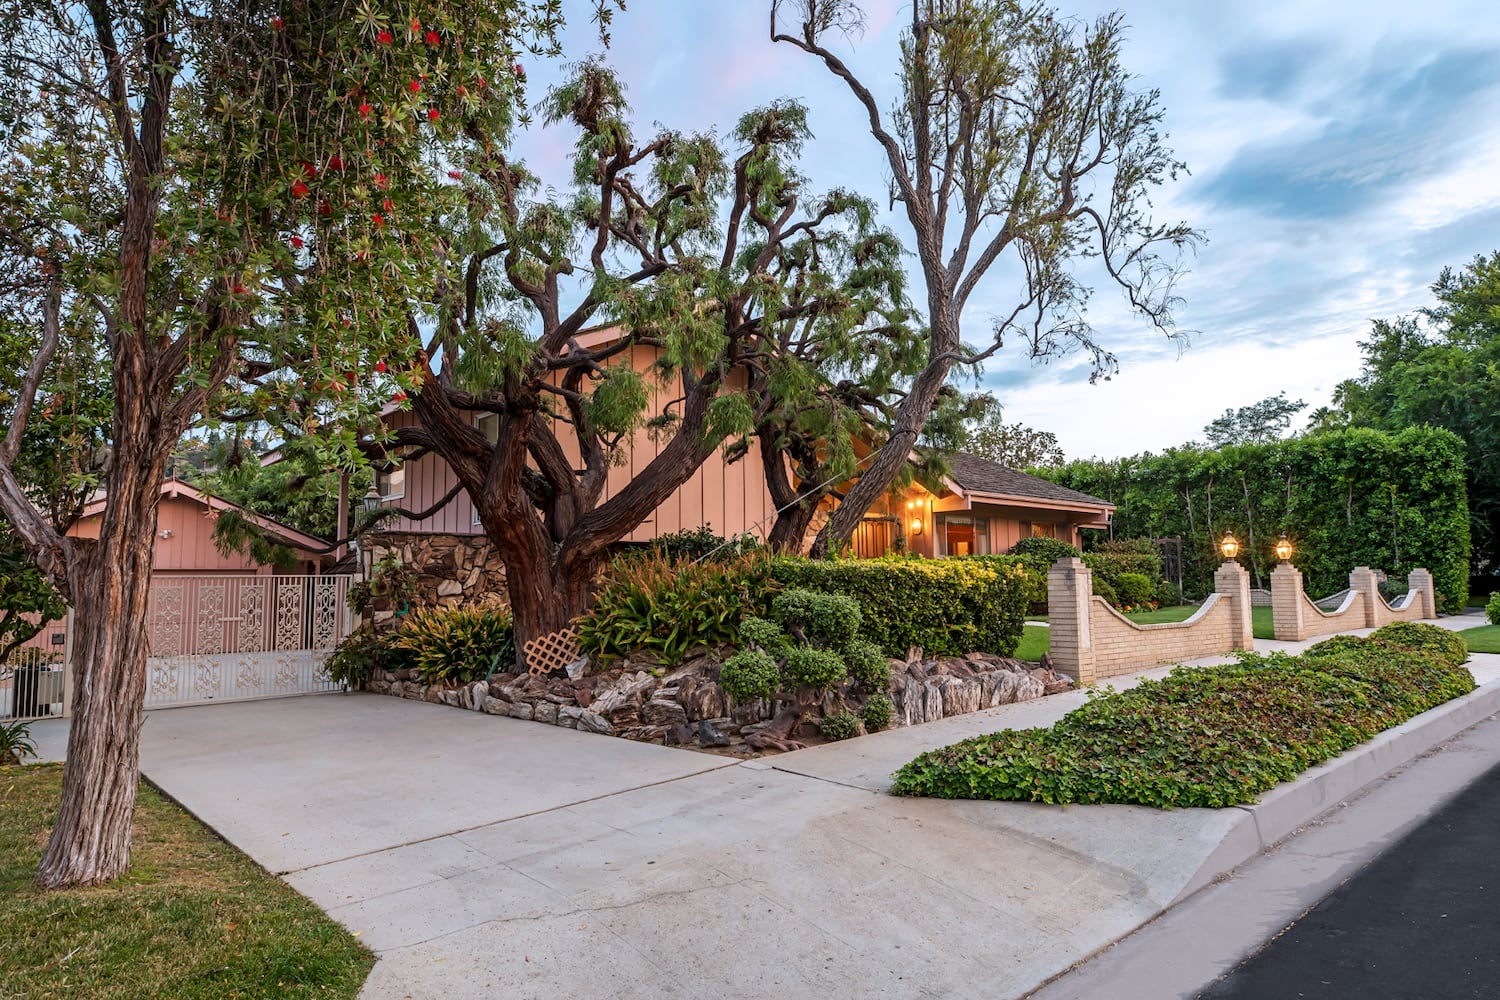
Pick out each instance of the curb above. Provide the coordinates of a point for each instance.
(1289, 807)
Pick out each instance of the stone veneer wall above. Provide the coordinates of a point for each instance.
(1091, 640)
(451, 569)
(1296, 617)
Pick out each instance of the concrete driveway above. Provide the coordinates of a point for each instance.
(484, 856)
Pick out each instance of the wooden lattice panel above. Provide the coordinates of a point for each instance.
(546, 653)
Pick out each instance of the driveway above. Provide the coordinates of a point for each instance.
(484, 856)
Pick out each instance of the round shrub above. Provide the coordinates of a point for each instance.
(1168, 594)
(1447, 646)
(1492, 609)
(825, 619)
(1103, 588)
(1134, 588)
(761, 632)
(877, 712)
(839, 726)
(1047, 550)
(748, 675)
(814, 668)
(867, 665)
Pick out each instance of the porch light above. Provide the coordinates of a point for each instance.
(372, 499)
(916, 526)
(1283, 549)
(1229, 545)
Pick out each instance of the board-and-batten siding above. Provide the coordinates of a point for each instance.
(730, 497)
(189, 545)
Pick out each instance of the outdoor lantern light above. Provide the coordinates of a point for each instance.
(372, 499)
(1283, 549)
(1229, 545)
(916, 526)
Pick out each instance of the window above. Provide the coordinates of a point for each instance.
(1040, 529)
(963, 535)
(391, 483)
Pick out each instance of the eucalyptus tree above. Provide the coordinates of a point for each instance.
(217, 191)
(1017, 136)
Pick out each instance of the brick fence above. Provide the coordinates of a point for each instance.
(1296, 617)
(1092, 641)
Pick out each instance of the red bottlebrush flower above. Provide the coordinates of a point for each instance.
(310, 169)
(380, 366)
(381, 181)
(433, 114)
(296, 242)
(433, 38)
(385, 37)
(462, 91)
(399, 397)
(336, 386)
(414, 86)
(416, 26)
(388, 205)
(479, 82)
(457, 175)
(364, 110)
(520, 71)
(299, 190)
(277, 23)
(324, 208)
(378, 220)
(335, 163)
(238, 289)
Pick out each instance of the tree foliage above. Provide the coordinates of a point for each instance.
(1013, 445)
(1258, 423)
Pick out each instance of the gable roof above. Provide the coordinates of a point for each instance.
(213, 505)
(976, 475)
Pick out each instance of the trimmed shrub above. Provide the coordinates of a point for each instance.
(763, 633)
(1134, 589)
(695, 544)
(458, 644)
(839, 726)
(1440, 642)
(877, 712)
(1103, 588)
(669, 606)
(867, 665)
(808, 666)
(1167, 594)
(1492, 609)
(1206, 736)
(1044, 550)
(830, 620)
(1114, 560)
(748, 675)
(946, 606)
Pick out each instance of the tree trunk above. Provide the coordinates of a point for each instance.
(90, 843)
(545, 597)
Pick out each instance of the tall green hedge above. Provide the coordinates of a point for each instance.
(946, 606)
(1345, 499)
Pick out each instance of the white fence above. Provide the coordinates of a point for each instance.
(212, 638)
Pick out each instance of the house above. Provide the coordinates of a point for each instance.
(185, 535)
(980, 507)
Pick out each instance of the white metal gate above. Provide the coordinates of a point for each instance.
(212, 638)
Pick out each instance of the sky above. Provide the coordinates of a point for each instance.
(1340, 155)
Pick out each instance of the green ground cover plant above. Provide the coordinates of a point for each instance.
(193, 919)
(1207, 736)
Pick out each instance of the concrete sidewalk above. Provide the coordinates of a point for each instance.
(483, 856)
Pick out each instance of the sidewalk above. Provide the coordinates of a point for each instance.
(482, 856)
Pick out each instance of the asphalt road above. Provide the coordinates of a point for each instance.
(1418, 921)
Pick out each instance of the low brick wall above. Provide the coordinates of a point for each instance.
(1092, 641)
(1296, 617)
(451, 569)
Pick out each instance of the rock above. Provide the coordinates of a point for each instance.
(679, 735)
(932, 699)
(477, 694)
(702, 698)
(450, 588)
(914, 655)
(449, 697)
(545, 711)
(1058, 685)
(378, 687)
(749, 712)
(495, 706)
(754, 728)
(661, 712)
(568, 713)
(592, 722)
(497, 690)
(405, 674)
(566, 723)
(643, 734)
(960, 695)
(577, 668)
(998, 687)
(521, 710)
(953, 666)
(398, 690)
(710, 735)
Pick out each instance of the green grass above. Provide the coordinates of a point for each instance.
(1484, 639)
(193, 918)
(1036, 640)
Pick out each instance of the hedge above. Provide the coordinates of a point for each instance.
(1207, 736)
(1345, 499)
(946, 606)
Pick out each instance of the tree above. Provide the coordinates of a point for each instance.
(216, 192)
(1017, 135)
(1442, 368)
(1013, 445)
(1258, 423)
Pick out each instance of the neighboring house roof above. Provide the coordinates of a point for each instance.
(979, 476)
(176, 488)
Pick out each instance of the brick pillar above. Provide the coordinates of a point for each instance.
(1233, 582)
(1288, 615)
(1419, 582)
(1363, 582)
(1070, 593)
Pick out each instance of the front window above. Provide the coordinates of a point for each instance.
(391, 483)
(963, 535)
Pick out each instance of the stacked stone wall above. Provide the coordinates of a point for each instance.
(451, 569)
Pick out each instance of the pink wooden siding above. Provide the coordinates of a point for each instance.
(189, 545)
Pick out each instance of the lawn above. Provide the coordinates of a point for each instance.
(1036, 639)
(194, 918)
(1484, 639)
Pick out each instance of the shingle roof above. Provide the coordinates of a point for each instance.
(981, 475)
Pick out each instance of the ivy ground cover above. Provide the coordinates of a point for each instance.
(1208, 736)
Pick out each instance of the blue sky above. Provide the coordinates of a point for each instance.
(1341, 153)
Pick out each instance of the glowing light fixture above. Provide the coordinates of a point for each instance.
(916, 526)
(1283, 549)
(1229, 545)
